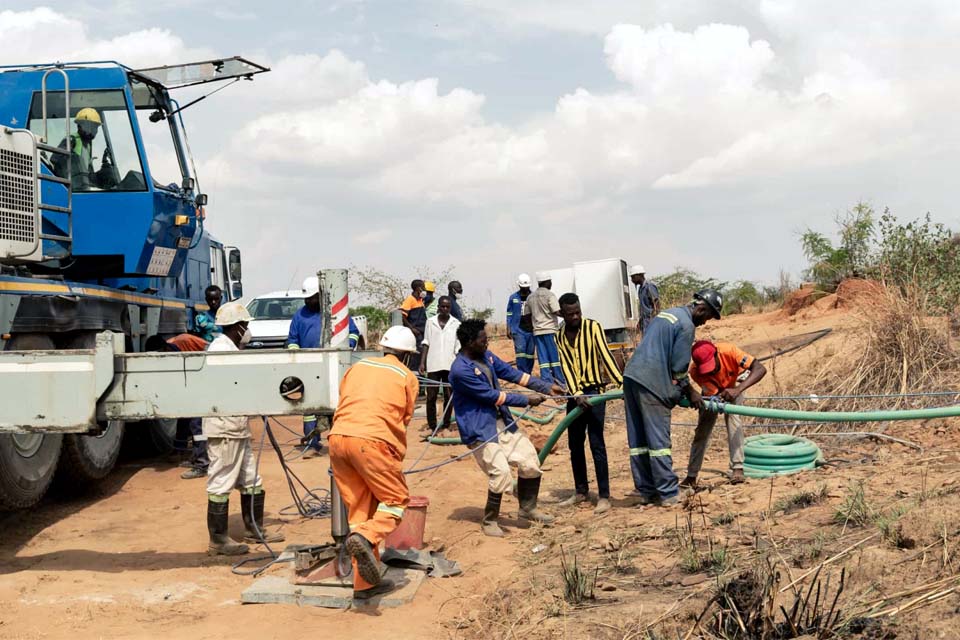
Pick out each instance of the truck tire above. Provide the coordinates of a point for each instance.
(88, 458)
(27, 461)
(161, 435)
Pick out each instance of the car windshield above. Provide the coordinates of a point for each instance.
(274, 308)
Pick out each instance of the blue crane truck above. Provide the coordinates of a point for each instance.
(95, 236)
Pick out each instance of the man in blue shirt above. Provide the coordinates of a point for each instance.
(455, 290)
(304, 333)
(648, 294)
(520, 324)
(205, 323)
(481, 407)
(654, 381)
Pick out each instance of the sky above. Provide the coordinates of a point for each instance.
(502, 137)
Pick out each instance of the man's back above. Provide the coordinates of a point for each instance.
(305, 329)
(377, 397)
(664, 354)
(543, 306)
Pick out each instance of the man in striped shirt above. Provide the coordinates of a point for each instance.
(584, 355)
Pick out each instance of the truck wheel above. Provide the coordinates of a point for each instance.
(89, 458)
(161, 435)
(27, 460)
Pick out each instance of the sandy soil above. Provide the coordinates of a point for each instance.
(130, 561)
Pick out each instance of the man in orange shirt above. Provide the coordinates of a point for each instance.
(367, 445)
(415, 317)
(721, 369)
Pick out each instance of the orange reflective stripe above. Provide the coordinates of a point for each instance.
(524, 379)
(502, 398)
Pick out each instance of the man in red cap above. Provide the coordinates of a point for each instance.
(723, 370)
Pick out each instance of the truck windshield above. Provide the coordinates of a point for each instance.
(104, 154)
(274, 308)
(159, 143)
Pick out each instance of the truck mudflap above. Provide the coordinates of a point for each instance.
(69, 391)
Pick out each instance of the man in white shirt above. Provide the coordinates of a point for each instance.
(232, 461)
(544, 309)
(439, 349)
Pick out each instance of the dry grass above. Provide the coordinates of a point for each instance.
(900, 350)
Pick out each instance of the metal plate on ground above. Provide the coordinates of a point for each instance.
(280, 590)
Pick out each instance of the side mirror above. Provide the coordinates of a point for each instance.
(188, 184)
(200, 200)
(233, 262)
(236, 291)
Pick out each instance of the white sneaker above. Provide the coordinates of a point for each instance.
(573, 500)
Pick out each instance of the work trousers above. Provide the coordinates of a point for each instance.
(549, 358)
(648, 434)
(442, 377)
(309, 426)
(701, 440)
(524, 348)
(589, 424)
(233, 465)
(510, 449)
(369, 475)
(192, 428)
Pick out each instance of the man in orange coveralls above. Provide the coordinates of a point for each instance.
(367, 445)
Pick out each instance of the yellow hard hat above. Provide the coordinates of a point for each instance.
(429, 286)
(88, 114)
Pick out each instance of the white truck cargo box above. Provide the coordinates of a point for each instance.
(605, 292)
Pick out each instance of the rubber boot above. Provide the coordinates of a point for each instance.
(527, 491)
(253, 513)
(491, 512)
(220, 542)
(367, 564)
(386, 586)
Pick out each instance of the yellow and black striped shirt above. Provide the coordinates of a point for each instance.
(582, 361)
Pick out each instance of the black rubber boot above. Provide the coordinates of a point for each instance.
(253, 513)
(385, 586)
(367, 565)
(220, 542)
(528, 489)
(491, 512)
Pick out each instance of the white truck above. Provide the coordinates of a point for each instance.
(606, 294)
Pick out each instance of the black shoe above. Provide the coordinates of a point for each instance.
(385, 586)
(362, 551)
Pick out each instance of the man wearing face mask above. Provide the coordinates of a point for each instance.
(455, 291)
(233, 463)
(81, 147)
(415, 317)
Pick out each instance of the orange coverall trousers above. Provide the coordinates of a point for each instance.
(370, 478)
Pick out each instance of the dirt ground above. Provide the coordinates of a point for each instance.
(130, 561)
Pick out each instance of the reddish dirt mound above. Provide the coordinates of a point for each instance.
(802, 298)
(853, 290)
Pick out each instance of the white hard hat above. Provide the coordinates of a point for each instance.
(399, 339)
(232, 313)
(637, 270)
(543, 276)
(311, 286)
(523, 280)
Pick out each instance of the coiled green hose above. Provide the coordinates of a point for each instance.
(777, 454)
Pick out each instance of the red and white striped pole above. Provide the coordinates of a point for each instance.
(336, 308)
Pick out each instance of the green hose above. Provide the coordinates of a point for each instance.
(835, 416)
(766, 449)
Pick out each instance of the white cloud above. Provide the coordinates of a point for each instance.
(43, 35)
(769, 112)
(374, 237)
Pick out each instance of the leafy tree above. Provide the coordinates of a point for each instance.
(850, 258)
(479, 314)
(678, 287)
(385, 291)
(377, 319)
(922, 254)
